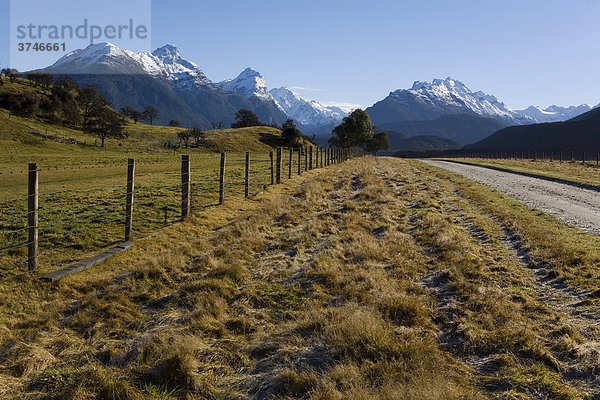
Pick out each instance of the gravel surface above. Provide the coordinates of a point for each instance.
(572, 205)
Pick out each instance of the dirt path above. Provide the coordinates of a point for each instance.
(572, 205)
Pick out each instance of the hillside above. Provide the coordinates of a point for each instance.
(461, 128)
(420, 142)
(140, 137)
(581, 133)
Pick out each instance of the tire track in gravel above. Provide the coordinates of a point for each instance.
(574, 206)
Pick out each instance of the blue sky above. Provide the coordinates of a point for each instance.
(524, 52)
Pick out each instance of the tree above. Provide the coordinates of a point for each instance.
(25, 104)
(136, 116)
(198, 135)
(217, 125)
(91, 102)
(11, 73)
(106, 123)
(150, 114)
(174, 122)
(355, 130)
(64, 106)
(246, 118)
(66, 83)
(131, 113)
(290, 133)
(379, 141)
(39, 78)
(184, 137)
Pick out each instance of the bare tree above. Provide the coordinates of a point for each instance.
(150, 114)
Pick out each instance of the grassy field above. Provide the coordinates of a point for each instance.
(373, 279)
(573, 171)
(82, 186)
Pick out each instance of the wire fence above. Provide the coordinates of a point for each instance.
(47, 224)
(589, 158)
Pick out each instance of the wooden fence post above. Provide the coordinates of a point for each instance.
(247, 175)
(305, 160)
(129, 201)
(272, 168)
(583, 162)
(186, 193)
(278, 165)
(222, 179)
(299, 160)
(321, 157)
(572, 156)
(290, 166)
(560, 156)
(32, 218)
(597, 158)
(310, 157)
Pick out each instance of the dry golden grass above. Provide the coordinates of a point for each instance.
(572, 171)
(373, 279)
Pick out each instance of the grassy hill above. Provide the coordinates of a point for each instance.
(140, 137)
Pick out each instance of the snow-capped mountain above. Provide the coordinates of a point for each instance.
(252, 85)
(162, 78)
(430, 100)
(164, 63)
(248, 83)
(307, 112)
(310, 115)
(556, 113)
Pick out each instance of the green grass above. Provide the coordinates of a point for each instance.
(82, 187)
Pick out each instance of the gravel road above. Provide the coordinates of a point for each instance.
(572, 205)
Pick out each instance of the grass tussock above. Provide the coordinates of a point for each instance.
(368, 280)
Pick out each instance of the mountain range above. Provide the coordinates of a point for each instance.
(442, 107)
(556, 113)
(448, 108)
(426, 101)
(181, 90)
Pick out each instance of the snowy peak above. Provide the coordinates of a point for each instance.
(98, 58)
(163, 63)
(167, 52)
(166, 63)
(248, 83)
(555, 113)
(451, 93)
(307, 112)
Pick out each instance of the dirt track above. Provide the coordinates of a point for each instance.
(572, 205)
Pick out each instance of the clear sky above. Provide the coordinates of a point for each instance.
(524, 52)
